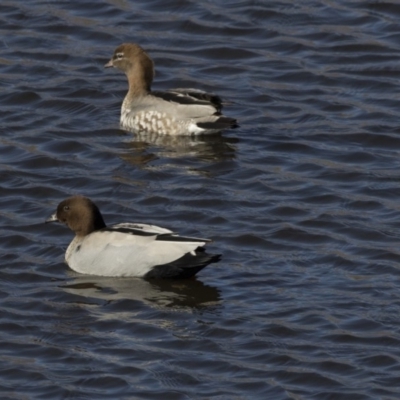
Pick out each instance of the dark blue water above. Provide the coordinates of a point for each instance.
(302, 201)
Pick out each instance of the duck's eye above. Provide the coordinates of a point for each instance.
(66, 208)
(119, 56)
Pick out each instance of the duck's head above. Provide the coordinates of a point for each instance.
(80, 214)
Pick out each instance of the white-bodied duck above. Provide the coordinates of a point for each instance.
(127, 249)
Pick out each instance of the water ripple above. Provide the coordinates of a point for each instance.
(301, 200)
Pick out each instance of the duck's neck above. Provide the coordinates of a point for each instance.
(140, 77)
(96, 224)
(93, 222)
(137, 87)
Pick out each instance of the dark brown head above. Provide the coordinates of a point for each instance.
(132, 59)
(80, 214)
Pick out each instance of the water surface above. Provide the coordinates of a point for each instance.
(302, 201)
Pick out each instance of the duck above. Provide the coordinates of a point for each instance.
(127, 249)
(172, 112)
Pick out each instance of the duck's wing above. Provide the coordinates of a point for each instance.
(130, 250)
(139, 229)
(182, 256)
(200, 95)
(159, 233)
(191, 97)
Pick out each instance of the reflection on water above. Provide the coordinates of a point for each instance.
(190, 293)
(144, 148)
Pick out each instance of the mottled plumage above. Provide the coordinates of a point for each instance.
(175, 112)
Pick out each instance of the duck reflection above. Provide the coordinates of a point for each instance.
(189, 293)
(144, 148)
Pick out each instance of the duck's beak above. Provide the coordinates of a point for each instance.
(109, 64)
(52, 218)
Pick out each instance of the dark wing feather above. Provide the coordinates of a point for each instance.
(131, 231)
(215, 100)
(168, 237)
(190, 98)
(139, 231)
(184, 267)
(220, 124)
